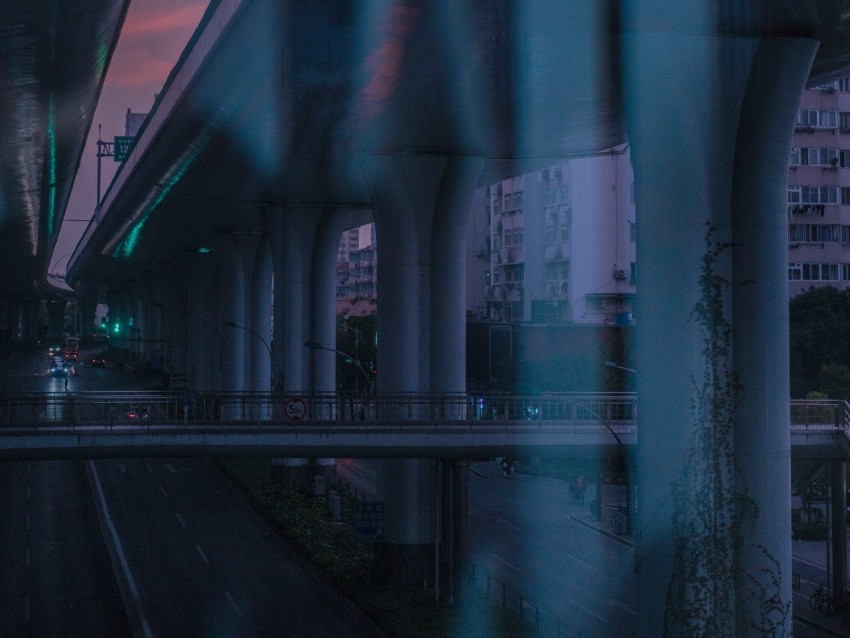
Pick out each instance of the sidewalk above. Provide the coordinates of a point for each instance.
(810, 552)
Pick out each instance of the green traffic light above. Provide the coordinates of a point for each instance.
(116, 327)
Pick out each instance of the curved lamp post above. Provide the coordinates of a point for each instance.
(231, 324)
(315, 345)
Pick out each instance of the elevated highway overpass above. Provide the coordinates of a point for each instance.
(285, 123)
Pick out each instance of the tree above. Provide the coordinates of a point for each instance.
(819, 337)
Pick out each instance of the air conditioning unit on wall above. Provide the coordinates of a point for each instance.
(619, 274)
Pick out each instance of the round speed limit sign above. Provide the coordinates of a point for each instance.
(295, 409)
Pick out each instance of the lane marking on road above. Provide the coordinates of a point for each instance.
(203, 556)
(578, 560)
(502, 560)
(162, 489)
(586, 610)
(624, 607)
(119, 550)
(180, 518)
(233, 602)
(511, 525)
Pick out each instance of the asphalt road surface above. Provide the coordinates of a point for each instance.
(145, 547)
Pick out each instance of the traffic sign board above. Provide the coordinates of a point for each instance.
(295, 409)
(122, 147)
(369, 521)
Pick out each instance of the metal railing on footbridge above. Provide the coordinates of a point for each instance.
(209, 408)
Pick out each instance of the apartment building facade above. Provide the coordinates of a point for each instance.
(819, 190)
(556, 245)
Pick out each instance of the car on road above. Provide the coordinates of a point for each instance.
(98, 361)
(70, 355)
(58, 369)
(137, 413)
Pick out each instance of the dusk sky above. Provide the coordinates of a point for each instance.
(154, 34)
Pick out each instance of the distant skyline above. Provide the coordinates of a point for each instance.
(154, 35)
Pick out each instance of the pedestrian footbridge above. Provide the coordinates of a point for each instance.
(447, 426)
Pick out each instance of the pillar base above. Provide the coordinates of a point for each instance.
(404, 565)
(291, 471)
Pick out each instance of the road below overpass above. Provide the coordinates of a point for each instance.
(145, 547)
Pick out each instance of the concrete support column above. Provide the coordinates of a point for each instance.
(292, 236)
(417, 201)
(231, 307)
(760, 309)
(259, 372)
(203, 337)
(323, 309)
(713, 384)
(838, 494)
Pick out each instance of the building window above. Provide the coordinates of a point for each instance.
(633, 273)
(843, 84)
(508, 238)
(795, 157)
(551, 272)
(564, 195)
(816, 194)
(845, 234)
(817, 119)
(844, 157)
(793, 194)
(565, 233)
(818, 156)
(550, 197)
(632, 232)
(845, 272)
(845, 121)
(550, 235)
(518, 237)
(795, 272)
(497, 241)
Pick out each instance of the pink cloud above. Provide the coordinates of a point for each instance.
(154, 35)
(151, 19)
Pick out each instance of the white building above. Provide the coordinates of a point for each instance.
(556, 245)
(819, 190)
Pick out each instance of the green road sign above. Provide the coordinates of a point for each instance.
(122, 147)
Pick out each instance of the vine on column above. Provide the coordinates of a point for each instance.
(709, 593)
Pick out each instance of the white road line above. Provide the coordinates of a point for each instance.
(204, 556)
(626, 608)
(578, 560)
(502, 560)
(180, 518)
(162, 489)
(131, 584)
(233, 602)
(585, 609)
(511, 525)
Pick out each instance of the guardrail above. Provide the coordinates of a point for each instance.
(513, 602)
(110, 408)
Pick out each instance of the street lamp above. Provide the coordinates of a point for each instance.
(315, 345)
(231, 324)
(611, 364)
